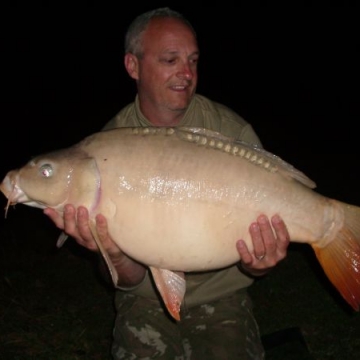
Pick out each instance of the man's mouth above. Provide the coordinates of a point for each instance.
(179, 87)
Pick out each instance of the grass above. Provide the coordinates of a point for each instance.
(54, 305)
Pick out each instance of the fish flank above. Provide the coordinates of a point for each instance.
(217, 141)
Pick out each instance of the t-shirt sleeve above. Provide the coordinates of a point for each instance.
(249, 135)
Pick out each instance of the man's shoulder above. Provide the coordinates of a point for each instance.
(125, 117)
(219, 110)
(221, 118)
(126, 112)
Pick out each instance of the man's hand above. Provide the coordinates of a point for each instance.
(75, 223)
(270, 243)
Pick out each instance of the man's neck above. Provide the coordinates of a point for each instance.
(165, 120)
(162, 117)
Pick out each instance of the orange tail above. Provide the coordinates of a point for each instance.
(340, 259)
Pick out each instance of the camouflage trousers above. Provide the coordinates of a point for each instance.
(223, 329)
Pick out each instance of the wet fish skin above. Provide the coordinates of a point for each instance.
(178, 199)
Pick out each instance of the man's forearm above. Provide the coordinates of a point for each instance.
(130, 273)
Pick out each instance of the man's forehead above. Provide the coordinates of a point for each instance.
(162, 28)
(177, 52)
(168, 23)
(169, 35)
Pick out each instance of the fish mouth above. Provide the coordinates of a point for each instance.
(15, 195)
(11, 190)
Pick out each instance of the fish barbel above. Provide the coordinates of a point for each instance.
(178, 199)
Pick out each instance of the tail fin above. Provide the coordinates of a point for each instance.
(340, 259)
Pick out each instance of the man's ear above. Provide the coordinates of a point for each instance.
(132, 65)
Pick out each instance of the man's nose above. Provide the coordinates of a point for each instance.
(185, 72)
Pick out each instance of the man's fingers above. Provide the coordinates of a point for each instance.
(257, 239)
(70, 221)
(101, 227)
(55, 217)
(243, 251)
(282, 234)
(267, 233)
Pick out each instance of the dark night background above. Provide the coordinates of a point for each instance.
(292, 73)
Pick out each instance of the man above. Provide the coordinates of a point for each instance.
(161, 55)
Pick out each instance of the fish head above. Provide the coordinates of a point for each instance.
(53, 180)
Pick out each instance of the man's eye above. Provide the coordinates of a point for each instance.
(169, 61)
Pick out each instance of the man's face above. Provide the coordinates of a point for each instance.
(167, 72)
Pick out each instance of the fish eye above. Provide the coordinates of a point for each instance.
(46, 170)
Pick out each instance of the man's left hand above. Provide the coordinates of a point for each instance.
(270, 243)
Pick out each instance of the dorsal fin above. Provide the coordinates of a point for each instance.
(252, 153)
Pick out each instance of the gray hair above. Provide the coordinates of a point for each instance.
(135, 31)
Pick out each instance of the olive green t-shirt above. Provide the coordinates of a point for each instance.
(207, 286)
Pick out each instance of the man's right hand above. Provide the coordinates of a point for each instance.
(75, 223)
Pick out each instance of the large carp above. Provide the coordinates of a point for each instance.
(178, 199)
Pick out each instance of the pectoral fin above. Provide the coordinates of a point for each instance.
(110, 265)
(171, 286)
(61, 240)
